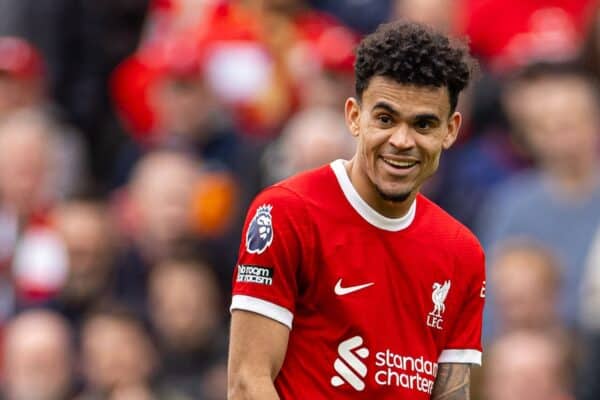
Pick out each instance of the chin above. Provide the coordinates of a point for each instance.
(394, 196)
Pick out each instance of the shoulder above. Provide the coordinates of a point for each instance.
(452, 234)
(439, 219)
(286, 202)
(298, 189)
(308, 184)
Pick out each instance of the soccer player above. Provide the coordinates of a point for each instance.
(351, 284)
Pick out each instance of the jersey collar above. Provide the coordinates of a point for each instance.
(365, 210)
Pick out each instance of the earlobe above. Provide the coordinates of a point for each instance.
(352, 112)
(454, 124)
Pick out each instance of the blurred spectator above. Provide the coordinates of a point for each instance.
(157, 218)
(523, 290)
(38, 167)
(118, 358)
(186, 117)
(311, 138)
(211, 51)
(88, 235)
(525, 365)
(554, 110)
(40, 164)
(589, 386)
(364, 15)
(590, 306)
(175, 95)
(22, 83)
(23, 88)
(320, 60)
(38, 359)
(167, 17)
(186, 309)
(531, 30)
(590, 54)
(81, 42)
(440, 14)
(470, 170)
(28, 163)
(161, 191)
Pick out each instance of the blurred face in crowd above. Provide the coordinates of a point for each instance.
(283, 6)
(116, 353)
(559, 120)
(525, 366)
(313, 138)
(401, 131)
(17, 93)
(185, 306)
(436, 13)
(525, 282)
(183, 106)
(37, 357)
(319, 88)
(87, 235)
(24, 163)
(162, 190)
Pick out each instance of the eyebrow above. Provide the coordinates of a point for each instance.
(430, 117)
(387, 107)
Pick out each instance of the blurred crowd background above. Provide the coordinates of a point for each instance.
(133, 134)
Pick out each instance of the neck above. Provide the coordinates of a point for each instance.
(576, 180)
(368, 192)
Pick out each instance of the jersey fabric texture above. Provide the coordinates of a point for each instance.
(373, 304)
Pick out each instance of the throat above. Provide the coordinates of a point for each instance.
(396, 206)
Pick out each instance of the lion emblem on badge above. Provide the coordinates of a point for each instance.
(260, 231)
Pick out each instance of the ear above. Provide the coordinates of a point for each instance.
(352, 111)
(454, 123)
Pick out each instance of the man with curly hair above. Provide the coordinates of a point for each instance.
(350, 283)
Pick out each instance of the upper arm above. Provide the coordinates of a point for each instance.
(452, 382)
(256, 352)
(463, 340)
(265, 290)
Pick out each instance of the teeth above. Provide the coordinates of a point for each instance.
(400, 164)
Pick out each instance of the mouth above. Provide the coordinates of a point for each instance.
(400, 164)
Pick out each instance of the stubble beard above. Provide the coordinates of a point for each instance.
(394, 197)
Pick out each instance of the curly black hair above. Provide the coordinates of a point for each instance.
(411, 53)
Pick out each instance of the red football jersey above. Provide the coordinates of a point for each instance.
(373, 303)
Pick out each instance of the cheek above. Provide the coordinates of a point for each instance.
(434, 161)
(367, 150)
(431, 151)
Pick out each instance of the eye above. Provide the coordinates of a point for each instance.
(424, 124)
(384, 119)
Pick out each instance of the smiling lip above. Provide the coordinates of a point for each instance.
(400, 164)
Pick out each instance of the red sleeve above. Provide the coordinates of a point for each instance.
(463, 344)
(265, 277)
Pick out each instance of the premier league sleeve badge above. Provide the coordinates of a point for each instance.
(259, 235)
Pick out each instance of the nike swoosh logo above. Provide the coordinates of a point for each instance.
(341, 291)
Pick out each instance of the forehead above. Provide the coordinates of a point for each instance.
(569, 91)
(407, 98)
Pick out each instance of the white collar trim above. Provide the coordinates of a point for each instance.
(365, 210)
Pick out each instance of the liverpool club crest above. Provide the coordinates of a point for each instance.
(440, 292)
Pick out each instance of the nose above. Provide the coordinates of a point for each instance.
(402, 137)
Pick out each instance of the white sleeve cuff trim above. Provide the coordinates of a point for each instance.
(460, 356)
(262, 307)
